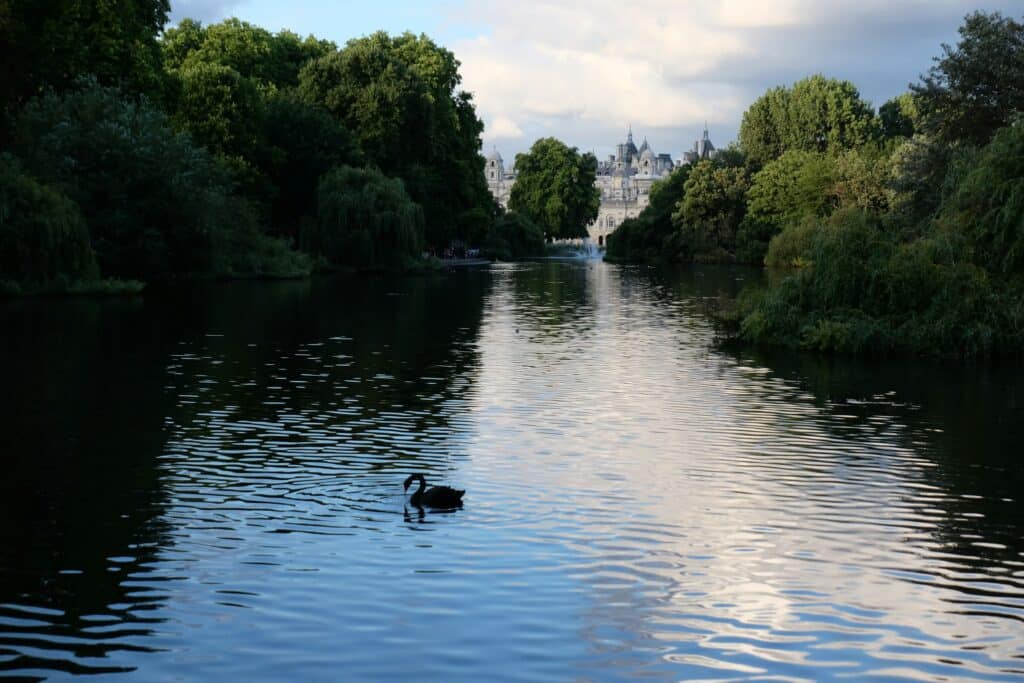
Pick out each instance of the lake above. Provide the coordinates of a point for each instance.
(206, 484)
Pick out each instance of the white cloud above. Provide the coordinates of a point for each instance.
(504, 127)
(584, 71)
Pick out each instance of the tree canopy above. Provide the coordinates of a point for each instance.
(48, 45)
(193, 152)
(555, 188)
(976, 87)
(817, 114)
(270, 59)
(156, 204)
(712, 208)
(399, 96)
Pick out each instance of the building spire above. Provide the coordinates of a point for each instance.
(629, 136)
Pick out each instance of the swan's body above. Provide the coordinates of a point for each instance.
(435, 496)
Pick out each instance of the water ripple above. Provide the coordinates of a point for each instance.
(641, 504)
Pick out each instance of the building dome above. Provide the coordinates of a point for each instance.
(494, 156)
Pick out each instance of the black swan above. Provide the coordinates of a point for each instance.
(435, 496)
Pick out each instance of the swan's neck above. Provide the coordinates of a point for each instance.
(423, 486)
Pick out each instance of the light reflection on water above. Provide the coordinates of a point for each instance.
(640, 503)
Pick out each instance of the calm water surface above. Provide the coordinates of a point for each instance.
(206, 485)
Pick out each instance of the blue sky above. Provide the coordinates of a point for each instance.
(583, 72)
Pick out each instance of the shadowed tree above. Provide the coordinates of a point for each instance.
(43, 237)
(51, 43)
(647, 236)
(900, 117)
(365, 219)
(976, 87)
(399, 96)
(712, 208)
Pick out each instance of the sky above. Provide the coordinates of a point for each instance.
(585, 72)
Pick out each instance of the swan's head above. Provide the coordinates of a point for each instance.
(410, 479)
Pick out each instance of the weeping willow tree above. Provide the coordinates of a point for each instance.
(44, 240)
(365, 219)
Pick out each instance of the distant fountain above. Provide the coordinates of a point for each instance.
(576, 249)
(590, 251)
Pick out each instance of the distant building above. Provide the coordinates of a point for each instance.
(624, 179)
(702, 149)
(499, 181)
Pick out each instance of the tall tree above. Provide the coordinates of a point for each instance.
(51, 43)
(266, 58)
(712, 208)
(555, 188)
(977, 87)
(817, 114)
(157, 205)
(302, 142)
(221, 108)
(399, 96)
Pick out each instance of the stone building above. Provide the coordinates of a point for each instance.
(499, 181)
(702, 149)
(624, 180)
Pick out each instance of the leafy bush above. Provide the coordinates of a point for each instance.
(867, 293)
(791, 248)
(988, 204)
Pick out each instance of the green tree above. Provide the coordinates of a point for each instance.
(399, 96)
(221, 109)
(513, 236)
(555, 188)
(977, 87)
(817, 114)
(647, 237)
(236, 96)
(764, 125)
(51, 44)
(988, 205)
(302, 142)
(712, 209)
(899, 117)
(266, 58)
(796, 185)
(365, 220)
(43, 237)
(157, 205)
(863, 178)
(790, 187)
